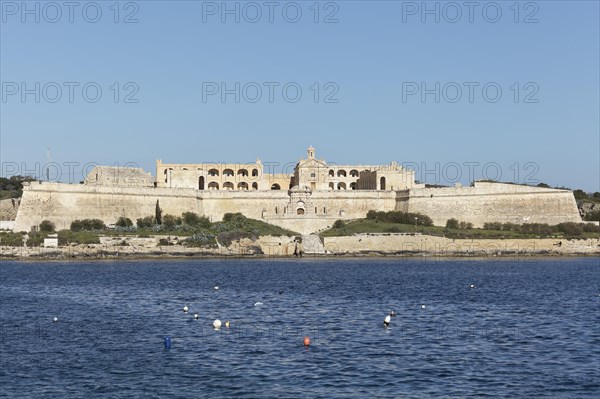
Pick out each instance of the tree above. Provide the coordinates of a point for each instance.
(158, 213)
(592, 216)
(580, 194)
(124, 222)
(47, 226)
(145, 222)
(170, 221)
(452, 224)
(193, 219)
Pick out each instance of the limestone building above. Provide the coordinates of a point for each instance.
(310, 197)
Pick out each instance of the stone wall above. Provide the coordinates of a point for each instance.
(63, 203)
(492, 202)
(417, 243)
(485, 202)
(8, 208)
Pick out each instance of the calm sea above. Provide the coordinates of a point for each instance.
(530, 328)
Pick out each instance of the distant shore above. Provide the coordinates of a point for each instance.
(359, 246)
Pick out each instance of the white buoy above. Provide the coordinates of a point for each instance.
(227, 324)
(196, 317)
(55, 319)
(387, 320)
(472, 286)
(217, 324)
(216, 288)
(258, 304)
(185, 309)
(422, 306)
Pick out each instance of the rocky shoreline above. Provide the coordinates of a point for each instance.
(393, 246)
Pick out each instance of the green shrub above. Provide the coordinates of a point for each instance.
(170, 221)
(591, 228)
(87, 225)
(124, 222)
(452, 224)
(200, 240)
(592, 216)
(570, 229)
(47, 226)
(66, 237)
(492, 226)
(339, 224)
(400, 217)
(145, 222)
(11, 239)
(35, 239)
(235, 220)
(465, 225)
(580, 194)
(193, 219)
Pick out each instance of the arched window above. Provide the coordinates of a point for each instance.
(352, 186)
(228, 172)
(331, 173)
(341, 186)
(275, 186)
(228, 186)
(254, 172)
(242, 186)
(213, 172)
(354, 173)
(300, 211)
(243, 172)
(213, 185)
(255, 186)
(331, 186)
(201, 183)
(341, 173)
(382, 183)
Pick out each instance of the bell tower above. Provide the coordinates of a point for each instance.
(311, 152)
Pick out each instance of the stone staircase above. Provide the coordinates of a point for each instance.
(311, 244)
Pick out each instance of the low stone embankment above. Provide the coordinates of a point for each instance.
(440, 246)
(357, 245)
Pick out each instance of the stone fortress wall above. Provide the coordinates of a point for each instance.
(311, 199)
(492, 202)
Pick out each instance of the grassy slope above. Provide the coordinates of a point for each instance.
(374, 226)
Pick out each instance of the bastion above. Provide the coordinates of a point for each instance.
(309, 198)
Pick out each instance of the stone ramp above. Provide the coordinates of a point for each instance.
(311, 244)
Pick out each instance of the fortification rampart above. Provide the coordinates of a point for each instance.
(492, 202)
(301, 212)
(63, 203)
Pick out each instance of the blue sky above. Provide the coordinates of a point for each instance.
(368, 61)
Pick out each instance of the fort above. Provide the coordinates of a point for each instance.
(308, 199)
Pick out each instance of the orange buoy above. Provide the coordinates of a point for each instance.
(306, 341)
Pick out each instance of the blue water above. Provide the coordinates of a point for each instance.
(530, 328)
